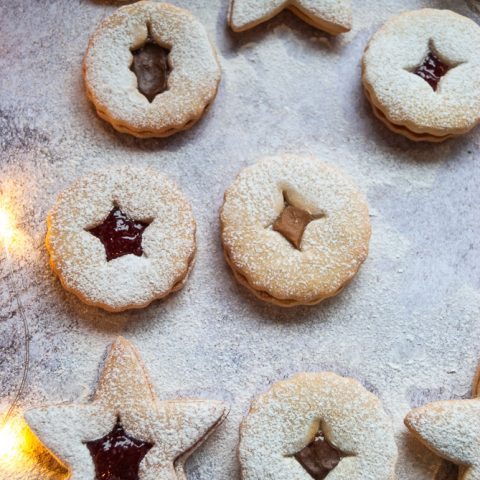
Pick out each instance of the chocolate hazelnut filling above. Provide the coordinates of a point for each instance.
(319, 458)
(150, 65)
(292, 222)
(117, 456)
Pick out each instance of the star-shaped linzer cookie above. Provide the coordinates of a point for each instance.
(332, 16)
(451, 429)
(125, 433)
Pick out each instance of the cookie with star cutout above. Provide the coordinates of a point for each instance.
(151, 69)
(121, 238)
(331, 16)
(125, 432)
(420, 73)
(317, 425)
(295, 230)
(451, 429)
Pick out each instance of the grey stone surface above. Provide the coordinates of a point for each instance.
(408, 325)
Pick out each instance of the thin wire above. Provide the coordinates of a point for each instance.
(10, 283)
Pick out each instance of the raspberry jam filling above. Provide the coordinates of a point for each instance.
(117, 456)
(150, 65)
(432, 70)
(120, 235)
(292, 222)
(318, 458)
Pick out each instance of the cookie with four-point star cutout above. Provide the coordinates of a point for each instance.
(122, 237)
(317, 425)
(125, 431)
(332, 16)
(420, 73)
(451, 429)
(151, 69)
(295, 230)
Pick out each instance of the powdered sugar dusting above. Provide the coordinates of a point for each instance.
(174, 427)
(285, 419)
(130, 281)
(335, 13)
(112, 86)
(400, 46)
(407, 327)
(333, 247)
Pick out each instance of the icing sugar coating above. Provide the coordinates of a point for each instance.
(451, 429)
(405, 101)
(130, 281)
(113, 87)
(286, 418)
(332, 16)
(332, 249)
(174, 427)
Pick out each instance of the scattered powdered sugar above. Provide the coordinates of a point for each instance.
(407, 327)
(333, 247)
(285, 419)
(400, 46)
(130, 281)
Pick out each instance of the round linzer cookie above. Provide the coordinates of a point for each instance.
(332, 16)
(420, 73)
(451, 429)
(121, 238)
(125, 432)
(151, 70)
(295, 230)
(317, 425)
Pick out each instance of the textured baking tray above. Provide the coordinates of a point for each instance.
(408, 325)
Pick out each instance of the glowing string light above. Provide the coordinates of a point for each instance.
(8, 437)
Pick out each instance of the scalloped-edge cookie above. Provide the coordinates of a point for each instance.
(315, 425)
(125, 431)
(122, 237)
(135, 47)
(420, 73)
(295, 230)
(332, 16)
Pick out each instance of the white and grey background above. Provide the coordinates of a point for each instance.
(407, 327)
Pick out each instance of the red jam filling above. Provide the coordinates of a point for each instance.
(117, 456)
(318, 458)
(432, 70)
(120, 235)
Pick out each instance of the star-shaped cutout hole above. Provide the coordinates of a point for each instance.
(293, 221)
(319, 458)
(162, 433)
(117, 455)
(120, 235)
(151, 67)
(433, 69)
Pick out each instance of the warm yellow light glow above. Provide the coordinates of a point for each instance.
(6, 225)
(12, 441)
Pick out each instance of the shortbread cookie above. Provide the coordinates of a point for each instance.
(332, 16)
(451, 429)
(151, 70)
(420, 73)
(295, 230)
(125, 432)
(314, 425)
(122, 237)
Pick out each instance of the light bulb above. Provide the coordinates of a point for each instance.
(6, 225)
